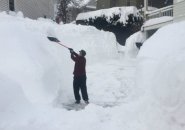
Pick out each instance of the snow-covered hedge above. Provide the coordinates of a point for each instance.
(122, 21)
(109, 14)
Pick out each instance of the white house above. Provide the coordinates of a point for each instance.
(163, 16)
(179, 10)
(30, 8)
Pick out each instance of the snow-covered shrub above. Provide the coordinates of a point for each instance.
(122, 21)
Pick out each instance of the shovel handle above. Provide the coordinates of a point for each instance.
(54, 39)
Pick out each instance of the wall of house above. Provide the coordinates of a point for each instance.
(179, 10)
(4, 5)
(31, 8)
(126, 2)
(103, 4)
(35, 8)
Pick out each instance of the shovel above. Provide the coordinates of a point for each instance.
(54, 39)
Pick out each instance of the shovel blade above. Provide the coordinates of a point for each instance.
(53, 39)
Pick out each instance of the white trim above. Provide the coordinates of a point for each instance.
(176, 1)
(155, 26)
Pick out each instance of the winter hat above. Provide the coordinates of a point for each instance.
(83, 52)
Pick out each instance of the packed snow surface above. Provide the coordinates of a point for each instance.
(123, 12)
(146, 93)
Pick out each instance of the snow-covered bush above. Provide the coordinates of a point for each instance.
(122, 21)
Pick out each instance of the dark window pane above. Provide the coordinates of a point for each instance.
(128, 2)
(11, 5)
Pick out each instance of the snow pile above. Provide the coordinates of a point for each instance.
(131, 50)
(123, 12)
(35, 71)
(161, 75)
(40, 67)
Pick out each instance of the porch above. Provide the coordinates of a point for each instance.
(158, 18)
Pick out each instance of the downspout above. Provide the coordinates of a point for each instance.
(145, 8)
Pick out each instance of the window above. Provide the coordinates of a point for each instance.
(113, 3)
(128, 2)
(11, 5)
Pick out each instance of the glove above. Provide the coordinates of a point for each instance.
(71, 50)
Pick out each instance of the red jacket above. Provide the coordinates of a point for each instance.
(80, 63)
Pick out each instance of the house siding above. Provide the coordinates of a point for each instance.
(35, 8)
(103, 4)
(4, 5)
(138, 3)
(126, 2)
(31, 8)
(179, 11)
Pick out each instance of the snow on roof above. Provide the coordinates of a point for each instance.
(157, 21)
(91, 7)
(150, 8)
(83, 2)
(180, 0)
(79, 3)
(92, 3)
(109, 13)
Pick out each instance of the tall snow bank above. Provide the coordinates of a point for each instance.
(131, 50)
(161, 75)
(39, 67)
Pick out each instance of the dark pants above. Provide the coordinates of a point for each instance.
(79, 83)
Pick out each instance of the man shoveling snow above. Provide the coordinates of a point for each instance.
(79, 81)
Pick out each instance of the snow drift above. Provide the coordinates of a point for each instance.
(161, 75)
(40, 67)
(34, 71)
(130, 49)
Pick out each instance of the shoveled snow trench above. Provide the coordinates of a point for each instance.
(109, 84)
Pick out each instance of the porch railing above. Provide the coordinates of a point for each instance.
(166, 11)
